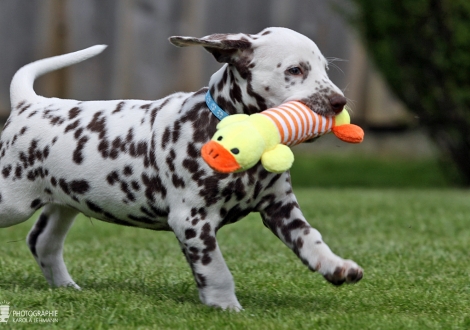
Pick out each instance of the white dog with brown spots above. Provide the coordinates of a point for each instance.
(137, 163)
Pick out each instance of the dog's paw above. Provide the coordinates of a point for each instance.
(233, 308)
(69, 284)
(346, 272)
(221, 301)
(73, 285)
(226, 306)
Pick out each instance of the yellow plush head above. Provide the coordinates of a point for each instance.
(241, 141)
(235, 147)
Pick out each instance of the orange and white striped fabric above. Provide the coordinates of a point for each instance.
(297, 123)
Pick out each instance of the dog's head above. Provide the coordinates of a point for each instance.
(276, 65)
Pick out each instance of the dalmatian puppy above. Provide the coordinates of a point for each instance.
(137, 163)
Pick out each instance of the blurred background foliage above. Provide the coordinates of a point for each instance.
(422, 48)
(367, 171)
(404, 66)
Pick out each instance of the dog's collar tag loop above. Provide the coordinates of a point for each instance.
(214, 108)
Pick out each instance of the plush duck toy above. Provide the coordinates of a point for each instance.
(243, 140)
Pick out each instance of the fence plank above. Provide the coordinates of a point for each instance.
(18, 21)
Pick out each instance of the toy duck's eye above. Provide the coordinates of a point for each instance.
(295, 71)
(220, 138)
(235, 151)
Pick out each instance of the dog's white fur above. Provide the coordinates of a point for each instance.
(137, 162)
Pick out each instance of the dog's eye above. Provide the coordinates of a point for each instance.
(295, 71)
(235, 151)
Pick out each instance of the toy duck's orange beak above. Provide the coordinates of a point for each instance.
(219, 158)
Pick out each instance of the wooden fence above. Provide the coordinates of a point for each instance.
(140, 62)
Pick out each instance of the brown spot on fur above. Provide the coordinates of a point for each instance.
(337, 278)
(127, 170)
(74, 112)
(35, 204)
(77, 154)
(23, 109)
(166, 137)
(72, 126)
(6, 171)
(98, 124)
(79, 186)
(37, 230)
(18, 171)
(200, 280)
(177, 181)
(190, 233)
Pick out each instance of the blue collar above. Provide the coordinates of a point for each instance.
(214, 108)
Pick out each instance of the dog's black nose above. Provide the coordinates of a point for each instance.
(337, 103)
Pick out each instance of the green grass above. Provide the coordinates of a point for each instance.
(412, 244)
(310, 170)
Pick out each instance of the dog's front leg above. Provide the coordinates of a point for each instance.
(285, 219)
(198, 242)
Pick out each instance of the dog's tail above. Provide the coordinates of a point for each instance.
(21, 87)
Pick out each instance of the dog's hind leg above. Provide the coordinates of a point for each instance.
(16, 205)
(46, 241)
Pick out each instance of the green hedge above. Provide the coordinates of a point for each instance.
(367, 172)
(422, 48)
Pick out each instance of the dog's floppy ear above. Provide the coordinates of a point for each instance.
(226, 48)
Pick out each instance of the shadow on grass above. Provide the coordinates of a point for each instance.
(185, 291)
(286, 301)
(179, 292)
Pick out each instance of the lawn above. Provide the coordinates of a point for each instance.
(412, 244)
